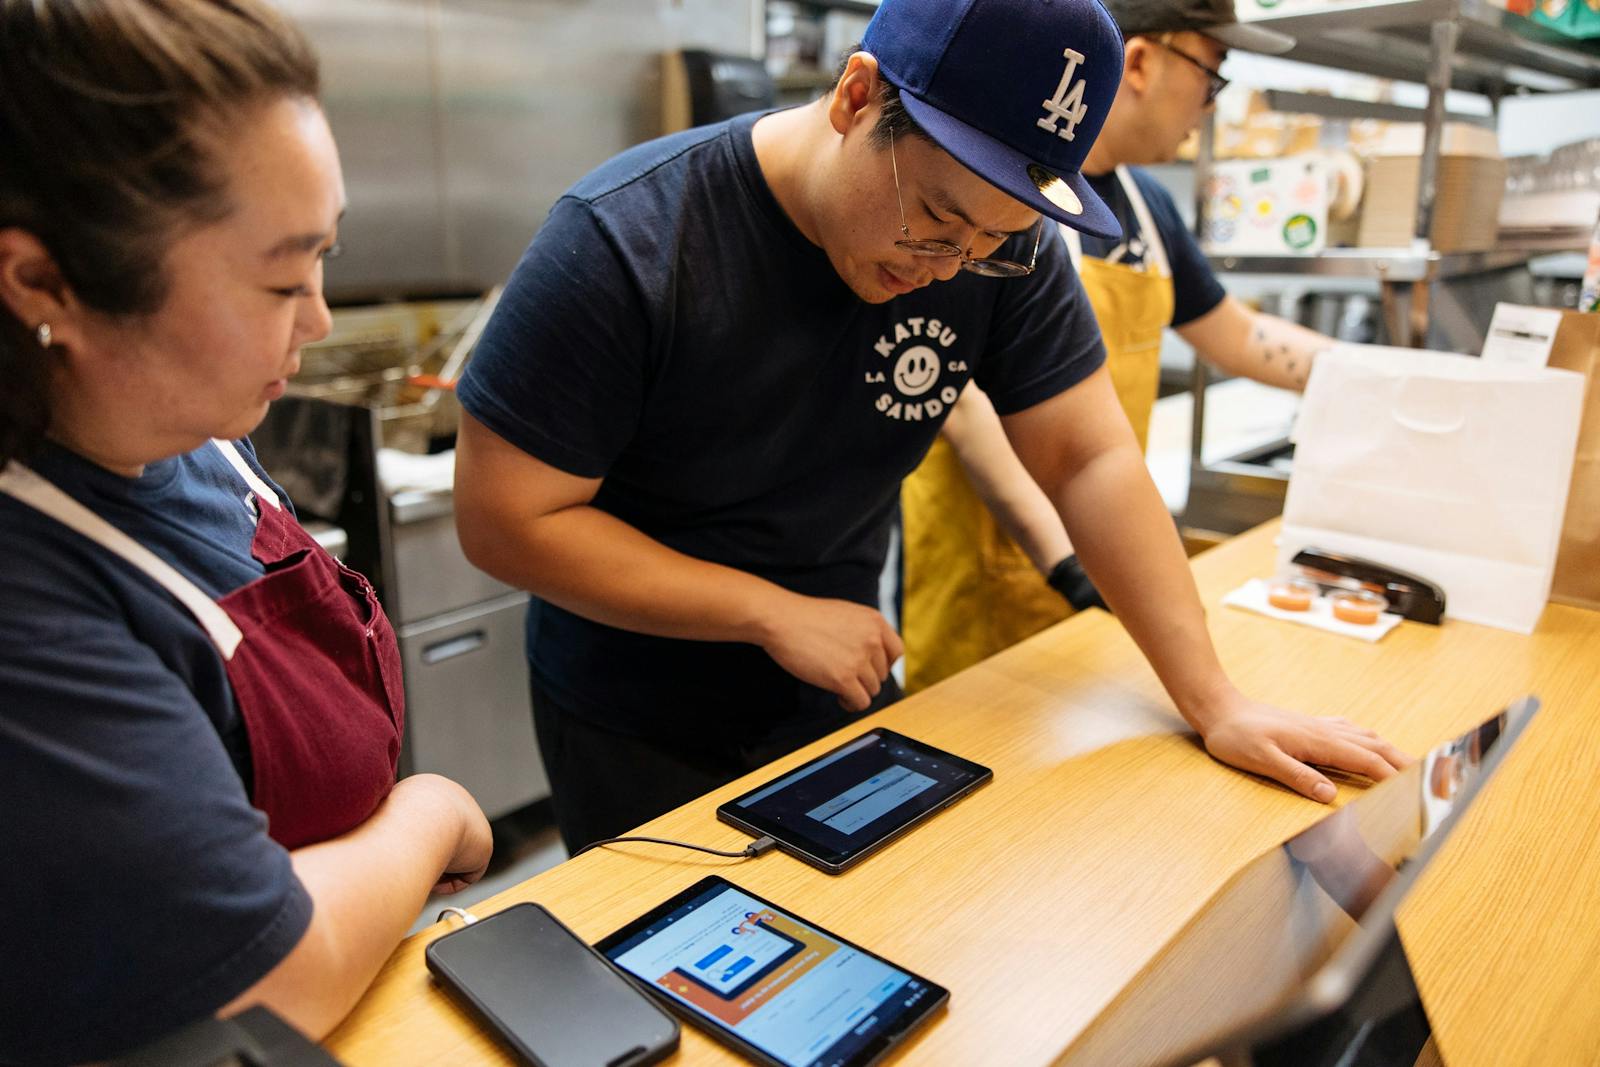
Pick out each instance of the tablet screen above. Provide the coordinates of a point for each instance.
(767, 978)
(842, 803)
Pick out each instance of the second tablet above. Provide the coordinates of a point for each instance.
(841, 806)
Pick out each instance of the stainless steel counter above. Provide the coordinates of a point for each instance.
(470, 716)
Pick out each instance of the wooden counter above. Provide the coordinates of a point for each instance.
(1039, 898)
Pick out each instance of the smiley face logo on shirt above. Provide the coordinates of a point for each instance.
(919, 359)
(916, 370)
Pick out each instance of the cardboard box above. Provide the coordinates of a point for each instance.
(1565, 340)
(1252, 130)
(1577, 576)
(1471, 184)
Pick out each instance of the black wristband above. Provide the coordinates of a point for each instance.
(1068, 579)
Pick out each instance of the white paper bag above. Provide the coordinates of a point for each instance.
(1443, 465)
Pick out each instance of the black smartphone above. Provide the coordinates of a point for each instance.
(551, 997)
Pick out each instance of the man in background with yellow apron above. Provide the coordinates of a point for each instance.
(987, 562)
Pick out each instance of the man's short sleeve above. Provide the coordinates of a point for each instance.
(1044, 338)
(142, 890)
(561, 370)
(1196, 290)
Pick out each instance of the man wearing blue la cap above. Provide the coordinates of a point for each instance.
(687, 423)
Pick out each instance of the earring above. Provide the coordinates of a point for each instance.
(43, 334)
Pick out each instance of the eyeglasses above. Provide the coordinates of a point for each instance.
(933, 248)
(1215, 81)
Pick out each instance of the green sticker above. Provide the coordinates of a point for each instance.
(1299, 232)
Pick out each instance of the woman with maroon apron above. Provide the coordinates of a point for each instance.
(200, 710)
(310, 655)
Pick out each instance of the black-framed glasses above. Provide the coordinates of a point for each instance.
(934, 248)
(1215, 82)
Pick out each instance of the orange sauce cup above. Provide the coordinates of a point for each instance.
(1291, 594)
(1359, 608)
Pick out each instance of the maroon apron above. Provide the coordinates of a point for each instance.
(317, 678)
(309, 652)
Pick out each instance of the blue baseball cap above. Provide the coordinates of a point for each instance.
(1016, 90)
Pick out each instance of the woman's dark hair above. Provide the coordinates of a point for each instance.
(111, 114)
(893, 118)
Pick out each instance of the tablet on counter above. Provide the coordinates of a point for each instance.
(773, 986)
(847, 803)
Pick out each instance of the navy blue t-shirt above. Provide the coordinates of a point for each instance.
(671, 331)
(141, 889)
(1195, 288)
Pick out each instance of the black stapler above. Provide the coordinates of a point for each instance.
(1409, 596)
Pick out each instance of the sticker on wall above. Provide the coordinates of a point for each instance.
(1300, 232)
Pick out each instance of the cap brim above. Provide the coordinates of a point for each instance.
(1248, 38)
(1067, 198)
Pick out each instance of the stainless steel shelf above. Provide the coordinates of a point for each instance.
(805, 81)
(1460, 44)
(859, 7)
(1546, 242)
(1383, 264)
(1337, 107)
(1497, 52)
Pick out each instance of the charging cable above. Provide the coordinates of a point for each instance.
(757, 847)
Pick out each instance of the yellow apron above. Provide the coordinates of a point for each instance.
(969, 590)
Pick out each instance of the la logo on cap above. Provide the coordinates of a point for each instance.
(1067, 104)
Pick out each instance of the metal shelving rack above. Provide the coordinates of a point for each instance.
(1467, 45)
(860, 7)
(799, 85)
